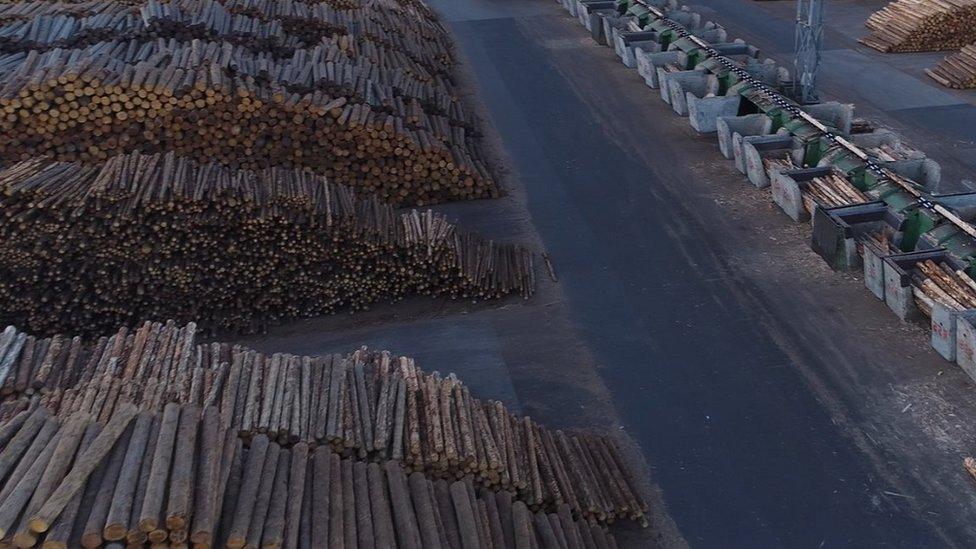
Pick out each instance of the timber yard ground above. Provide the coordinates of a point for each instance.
(769, 401)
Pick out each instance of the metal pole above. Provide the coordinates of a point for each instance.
(809, 44)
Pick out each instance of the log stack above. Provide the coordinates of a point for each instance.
(365, 97)
(957, 70)
(829, 191)
(953, 289)
(922, 25)
(178, 476)
(159, 236)
(370, 405)
(167, 439)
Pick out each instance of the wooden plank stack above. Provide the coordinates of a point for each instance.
(179, 476)
(953, 289)
(829, 191)
(364, 97)
(159, 236)
(957, 70)
(922, 25)
(370, 405)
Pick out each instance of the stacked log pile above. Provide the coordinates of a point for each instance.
(179, 476)
(168, 439)
(364, 97)
(159, 236)
(922, 25)
(829, 191)
(370, 405)
(957, 70)
(953, 289)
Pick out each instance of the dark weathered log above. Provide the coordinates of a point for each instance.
(151, 510)
(83, 466)
(117, 521)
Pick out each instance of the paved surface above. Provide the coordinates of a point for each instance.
(890, 88)
(774, 403)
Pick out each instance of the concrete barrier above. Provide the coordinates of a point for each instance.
(833, 114)
(570, 6)
(750, 124)
(756, 148)
(648, 64)
(704, 112)
(624, 43)
(878, 137)
(836, 231)
(608, 23)
(698, 83)
(924, 171)
(587, 11)
(899, 293)
(787, 189)
(945, 329)
(873, 259)
(966, 342)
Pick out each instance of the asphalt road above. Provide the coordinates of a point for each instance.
(775, 403)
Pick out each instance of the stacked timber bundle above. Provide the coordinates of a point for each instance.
(159, 236)
(922, 25)
(957, 70)
(368, 405)
(953, 289)
(880, 239)
(367, 99)
(180, 476)
(831, 190)
(779, 164)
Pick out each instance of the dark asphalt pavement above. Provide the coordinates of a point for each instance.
(766, 393)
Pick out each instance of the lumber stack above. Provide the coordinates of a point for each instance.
(179, 476)
(160, 236)
(957, 70)
(922, 25)
(829, 191)
(364, 97)
(953, 289)
(370, 405)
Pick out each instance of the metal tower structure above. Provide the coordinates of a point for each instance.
(809, 45)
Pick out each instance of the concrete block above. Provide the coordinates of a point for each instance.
(899, 292)
(569, 6)
(648, 64)
(714, 37)
(704, 112)
(877, 138)
(737, 48)
(614, 22)
(945, 329)
(689, 20)
(750, 124)
(836, 230)
(873, 259)
(787, 189)
(924, 171)
(755, 148)
(966, 342)
(588, 12)
(697, 83)
(833, 114)
(625, 42)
